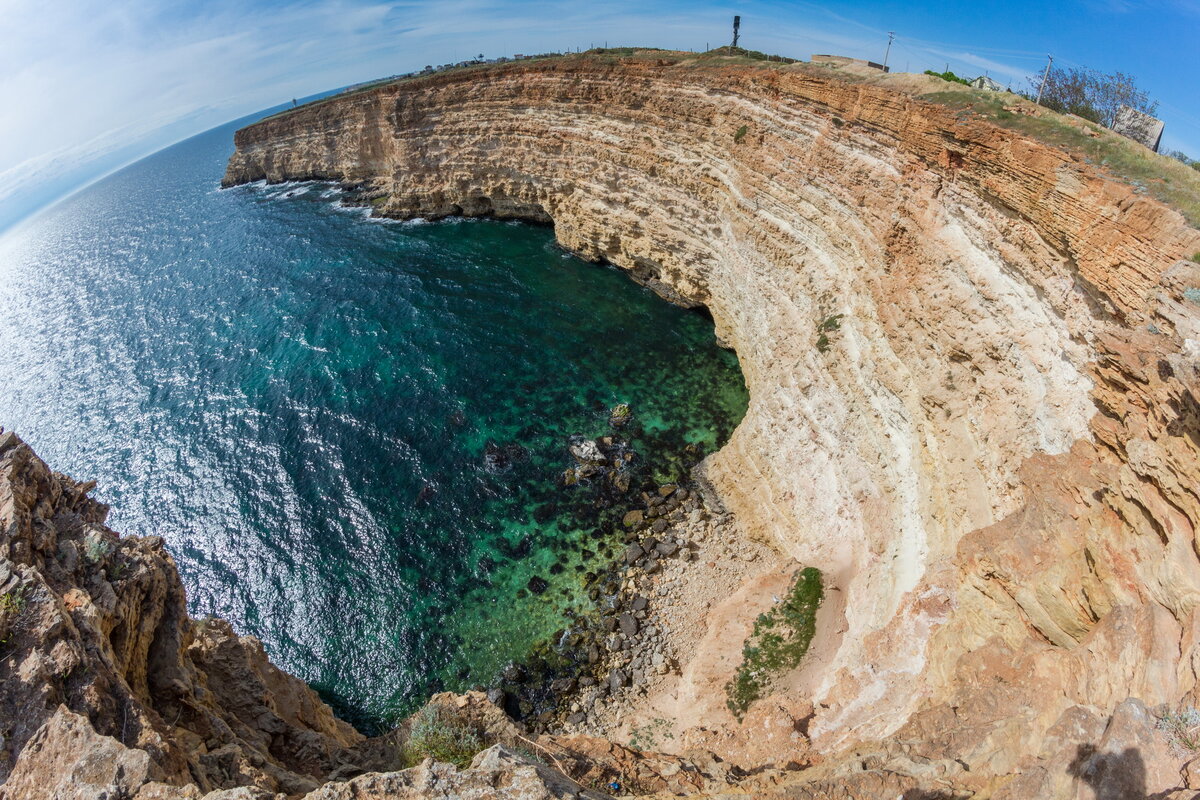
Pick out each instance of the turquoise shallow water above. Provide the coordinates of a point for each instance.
(301, 400)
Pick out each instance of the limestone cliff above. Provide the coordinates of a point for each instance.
(994, 458)
(95, 642)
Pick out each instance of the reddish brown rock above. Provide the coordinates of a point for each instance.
(99, 652)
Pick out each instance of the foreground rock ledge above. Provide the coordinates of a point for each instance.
(995, 457)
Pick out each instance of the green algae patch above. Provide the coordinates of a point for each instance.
(779, 641)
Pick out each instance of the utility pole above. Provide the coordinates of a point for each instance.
(891, 38)
(737, 23)
(1044, 78)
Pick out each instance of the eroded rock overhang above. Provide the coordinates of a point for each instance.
(992, 291)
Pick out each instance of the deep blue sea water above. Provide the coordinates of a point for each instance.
(300, 400)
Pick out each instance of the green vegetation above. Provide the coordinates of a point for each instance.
(779, 641)
(1165, 179)
(741, 134)
(824, 328)
(96, 548)
(1196, 258)
(1182, 727)
(1183, 158)
(12, 602)
(1092, 95)
(651, 735)
(948, 76)
(437, 733)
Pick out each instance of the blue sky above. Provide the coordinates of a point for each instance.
(89, 85)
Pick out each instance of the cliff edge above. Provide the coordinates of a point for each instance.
(973, 362)
(991, 450)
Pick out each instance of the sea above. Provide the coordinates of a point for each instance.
(351, 432)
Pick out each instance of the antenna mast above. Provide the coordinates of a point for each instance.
(737, 23)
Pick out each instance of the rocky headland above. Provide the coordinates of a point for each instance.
(972, 361)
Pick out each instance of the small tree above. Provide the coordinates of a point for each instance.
(1092, 95)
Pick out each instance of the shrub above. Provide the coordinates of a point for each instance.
(438, 734)
(96, 548)
(824, 328)
(778, 642)
(741, 134)
(948, 76)
(1196, 258)
(1090, 94)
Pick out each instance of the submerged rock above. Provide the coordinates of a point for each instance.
(620, 415)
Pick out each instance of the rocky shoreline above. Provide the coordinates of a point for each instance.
(109, 690)
(614, 644)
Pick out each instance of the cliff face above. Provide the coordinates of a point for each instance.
(994, 457)
(106, 683)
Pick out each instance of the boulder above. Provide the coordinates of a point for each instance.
(587, 452)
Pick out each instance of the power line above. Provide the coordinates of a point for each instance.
(975, 48)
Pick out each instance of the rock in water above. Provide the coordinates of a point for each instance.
(620, 415)
(587, 452)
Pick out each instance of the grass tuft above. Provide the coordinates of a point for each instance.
(12, 602)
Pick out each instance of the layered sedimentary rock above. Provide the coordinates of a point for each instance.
(973, 367)
(992, 449)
